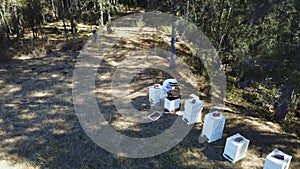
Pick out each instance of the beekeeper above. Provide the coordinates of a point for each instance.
(167, 87)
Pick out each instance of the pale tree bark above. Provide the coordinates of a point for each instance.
(54, 15)
(194, 10)
(220, 23)
(225, 27)
(95, 4)
(108, 11)
(101, 14)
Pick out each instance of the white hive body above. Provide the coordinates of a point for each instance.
(192, 111)
(154, 94)
(272, 162)
(172, 104)
(236, 148)
(213, 126)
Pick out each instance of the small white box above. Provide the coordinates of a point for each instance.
(154, 94)
(272, 162)
(213, 126)
(172, 105)
(236, 148)
(192, 111)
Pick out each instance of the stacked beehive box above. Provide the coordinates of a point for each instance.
(213, 126)
(277, 160)
(236, 148)
(192, 110)
(154, 93)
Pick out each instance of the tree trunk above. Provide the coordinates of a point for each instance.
(194, 9)
(54, 15)
(95, 4)
(135, 3)
(33, 31)
(101, 14)
(4, 40)
(186, 13)
(219, 23)
(5, 23)
(62, 16)
(297, 114)
(30, 18)
(108, 12)
(65, 28)
(70, 9)
(79, 9)
(16, 19)
(187, 9)
(173, 40)
(282, 108)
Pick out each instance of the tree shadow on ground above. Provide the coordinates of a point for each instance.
(39, 125)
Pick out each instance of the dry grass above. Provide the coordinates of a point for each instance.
(38, 125)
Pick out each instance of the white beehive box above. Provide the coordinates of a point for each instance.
(213, 126)
(172, 105)
(154, 94)
(272, 162)
(236, 148)
(192, 111)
